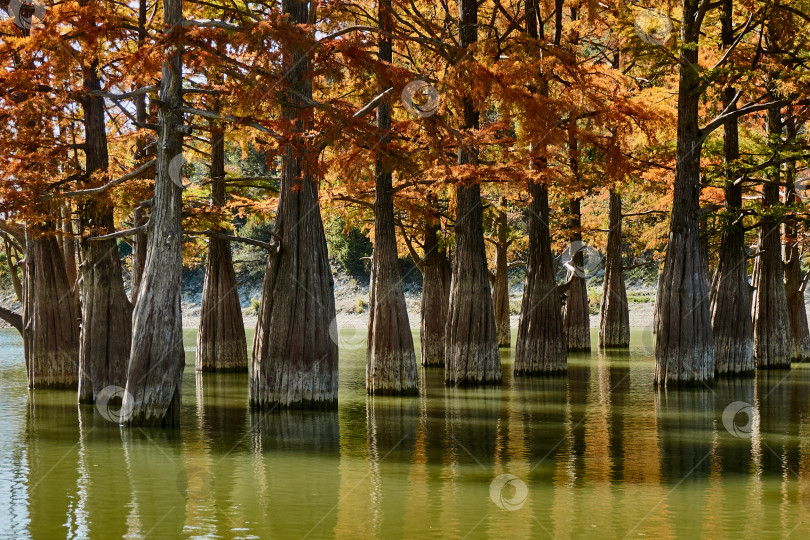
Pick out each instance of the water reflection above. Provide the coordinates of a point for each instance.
(599, 450)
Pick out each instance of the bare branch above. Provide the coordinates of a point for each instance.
(372, 104)
(266, 245)
(125, 95)
(119, 234)
(101, 189)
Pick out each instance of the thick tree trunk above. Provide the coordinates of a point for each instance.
(51, 331)
(471, 346)
(576, 318)
(221, 342)
(797, 311)
(157, 359)
(794, 284)
(731, 292)
(106, 329)
(391, 362)
(684, 348)
(540, 347)
(436, 278)
(614, 314)
(295, 353)
(772, 333)
(500, 283)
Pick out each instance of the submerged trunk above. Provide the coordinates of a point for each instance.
(51, 331)
(391, 362)
(471, 344)
(731, 292)
(157, 359)
(436, 277)
(794, 284)
(106, 328)
(500, 283)
(772, 338)
(576, 318)
(614, 314)
(797, 311)
(221, 341)
(540, 347)
(684, 348)
(772, 346)
(295, 353)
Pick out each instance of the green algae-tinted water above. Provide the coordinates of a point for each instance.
(598, 452)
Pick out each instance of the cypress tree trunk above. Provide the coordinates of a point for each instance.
(500, 283)
(51, 331)
(614, 314)
(731, 292)
(139, 243)
(794, 286)
(541, 346)
(68, 244)
(437, 275)
(471, 346)
(391, 362)
(295, 353)
(138, 219)
(684, 348)
(106, 329)
(156, 359)
(576, 318)
(772, 337)
(221, 341)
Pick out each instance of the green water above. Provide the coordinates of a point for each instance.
(597, 453)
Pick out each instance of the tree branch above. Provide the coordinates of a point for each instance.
(119, 234)
(101, 189)
(14, 319)
(266, 245)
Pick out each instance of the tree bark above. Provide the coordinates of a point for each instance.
(295, 353)
(500, 282)
(731, 291)
(156, 362)
(540, 347)
(436, 279)
(576, 318)
(68, 243)
(139, 241)
(14, 319)
(471, 343)
(614, 314)
(794, 286)
(684, 348)
(772, 333)
(106, 328)
(221, 341)
(51, 330)
(391, 362)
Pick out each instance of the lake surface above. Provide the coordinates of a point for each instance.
(598, 452)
